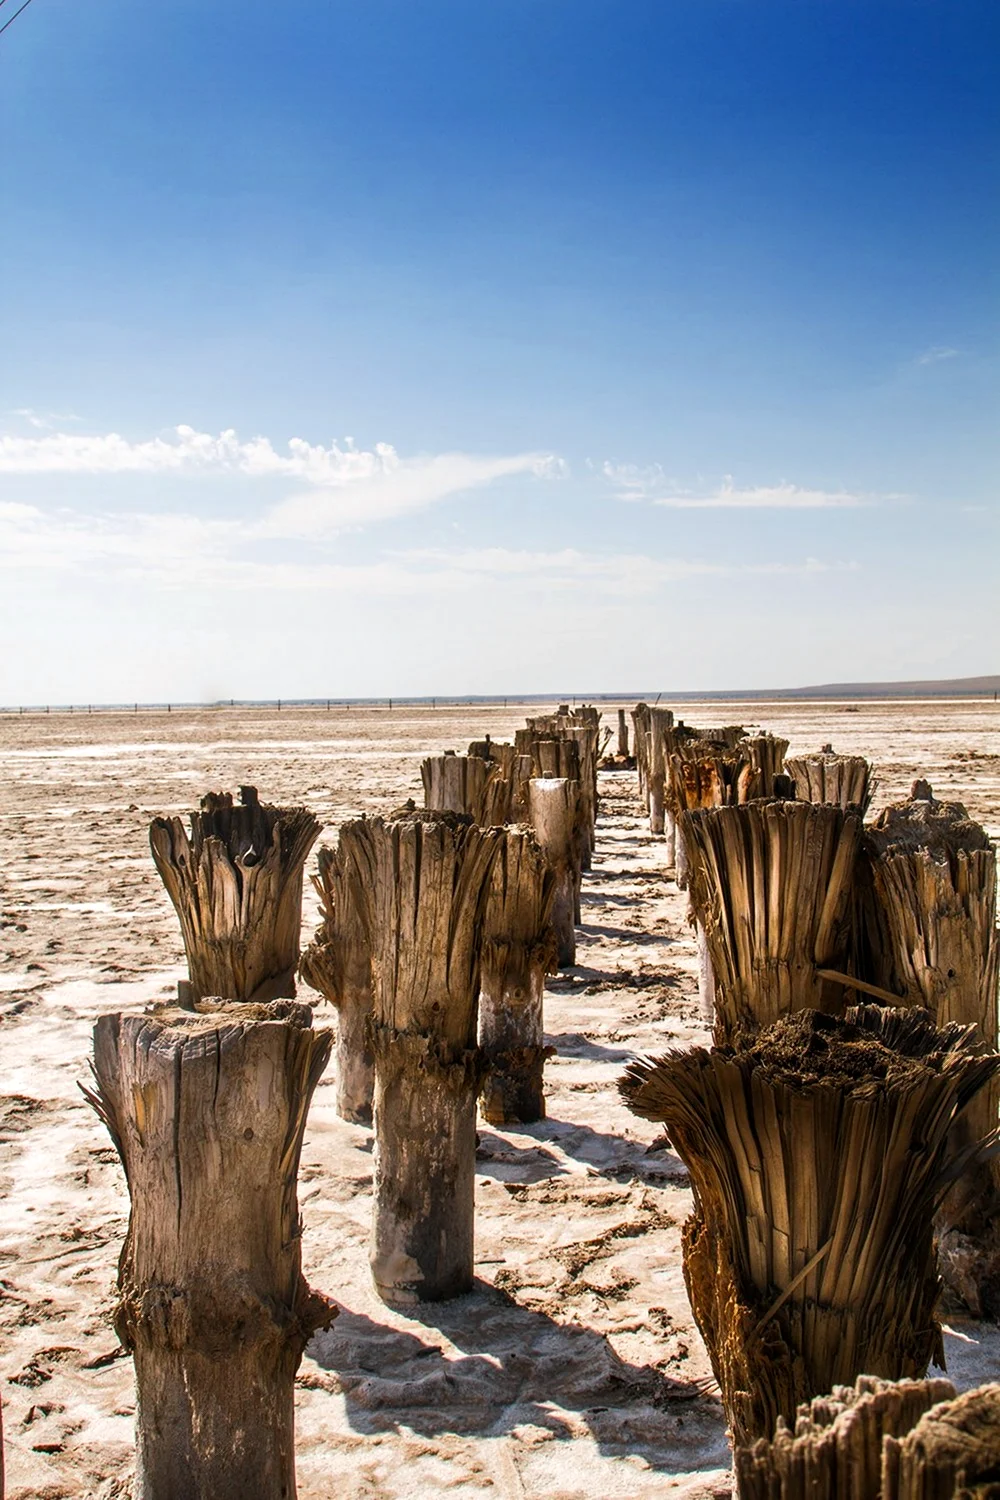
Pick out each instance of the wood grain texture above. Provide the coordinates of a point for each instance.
(207, 1109)
(818, 1150)
(236, 885)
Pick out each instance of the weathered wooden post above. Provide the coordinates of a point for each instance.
(622, 735)
(236, 885)
(844, 780)
(660, 722)
(932, 941)
(772, 887)
(953, 1452)
(833, 1451)
(457, 783)
(518, 951)
(552, 807)
(765, 773)
(207, 1108)
(818, 1149)
(432, 876)
(640, 740)
(338, 962)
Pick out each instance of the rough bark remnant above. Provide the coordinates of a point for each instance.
(953, 1453)
(553, 809)
(432, 875)
(338, 962)
(933, 942)
(817, 1151)
(771, 884)
(236, 885)
(834, 1449)
(458, 784)
(844, 780)
(207, 1109)
(518, 951)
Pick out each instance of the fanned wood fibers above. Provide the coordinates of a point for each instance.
(771, 884)
(953, 1452)
(932, 941)
(518, 950)
(236, 885)
(766, 774)
(844, 780)
(834, 1449)
(207, 1109)
(432, 880)
(338, 962)
(817, 1151)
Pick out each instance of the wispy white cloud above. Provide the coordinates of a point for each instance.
(184, 551)
(344, 485)
(935, 355)
(651, 485)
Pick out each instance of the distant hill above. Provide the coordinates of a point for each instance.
(949, 687)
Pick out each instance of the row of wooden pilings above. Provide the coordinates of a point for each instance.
(843, 1154)
(438, 927)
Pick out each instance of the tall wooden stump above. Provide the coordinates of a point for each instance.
(953, 1452)
(765, 774)
(518, 951)
(236, 885)
(432, 874)
(207, 1109)
(552, 810)
(772, 886)
(817, 1150)
(457, 783)
(338, 962)
(844, 780)
(640, 740)
(933, 942)
(622, 734)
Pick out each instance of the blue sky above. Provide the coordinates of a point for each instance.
(496, 345)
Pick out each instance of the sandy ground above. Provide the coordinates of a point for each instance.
(574, 1369)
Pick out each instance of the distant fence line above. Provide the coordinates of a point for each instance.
(278, 704)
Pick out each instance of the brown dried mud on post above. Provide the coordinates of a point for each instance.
(953, 1451)
(518, 951)
(207, 1109)
(772, 885)
(432, 873)
(932, 941)
(844, 780)
(338, 962)
(552, 803)
(236, 885)
(833, 1450)
(818, 1150)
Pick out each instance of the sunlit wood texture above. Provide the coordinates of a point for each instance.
(338, 962)
(833, 1450)
(640, 744)
(458, 784)
(518, 950)
(766, 774)
(432, 882)
(817, 1150)
(933, 942)
(552, 808)
(236, 885)
(207, 1109)
(772, 885)
(657, 743)
(844, 780)
(953, 1453)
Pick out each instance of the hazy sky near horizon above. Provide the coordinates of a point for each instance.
(496, 346)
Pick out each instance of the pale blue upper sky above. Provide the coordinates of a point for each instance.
(496, 345)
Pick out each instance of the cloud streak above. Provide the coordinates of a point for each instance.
(341, 485)
(651, 486)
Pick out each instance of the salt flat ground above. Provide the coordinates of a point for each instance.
(574, 1369)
